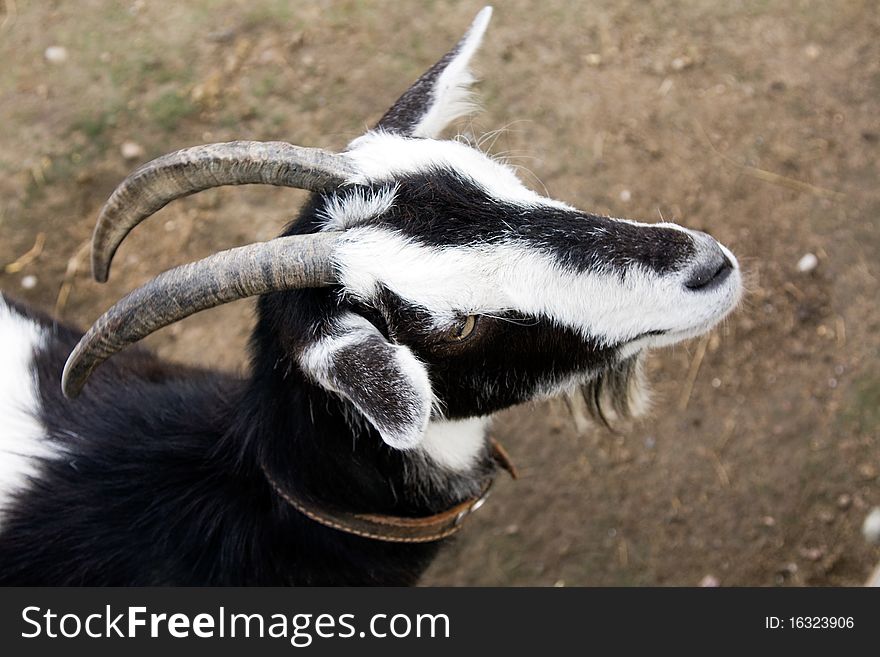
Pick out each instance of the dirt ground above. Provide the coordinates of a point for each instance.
(758, 122)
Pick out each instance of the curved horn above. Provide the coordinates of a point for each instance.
(284, 263)
(191, 170)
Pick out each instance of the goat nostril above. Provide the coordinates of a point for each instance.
(710, 274)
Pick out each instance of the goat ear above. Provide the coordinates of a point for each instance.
(384, 381)
(442, 94)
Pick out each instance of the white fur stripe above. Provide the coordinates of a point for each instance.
(455, 444)
(380, 156)
(351, 207)
(22, 436)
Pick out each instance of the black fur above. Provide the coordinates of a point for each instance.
(159, 482)
(161, 485)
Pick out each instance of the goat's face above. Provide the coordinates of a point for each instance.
(459, 290)
(501, 295)
(466, 289)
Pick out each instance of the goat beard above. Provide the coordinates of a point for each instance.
(619, 392)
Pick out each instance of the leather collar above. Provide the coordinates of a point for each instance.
(397, 529)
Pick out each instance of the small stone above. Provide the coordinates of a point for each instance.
(768, 521)
(826, 516)
(29, 282)
(665, 86)
(56, 54)
(710, 582)
(625, 196)
(716, 383)
(871, 526)
(790, 568)
(559, 583)
(844, 501)
(681, 63)
(813, 554)
(867, 471)
(812, 51)
(222, 36)
(593, 59)
(807, 263)
(131, 150)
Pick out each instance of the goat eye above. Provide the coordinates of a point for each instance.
(464, 329)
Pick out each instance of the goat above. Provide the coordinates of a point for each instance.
(422, 288)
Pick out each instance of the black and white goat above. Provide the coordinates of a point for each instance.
(421, 289)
